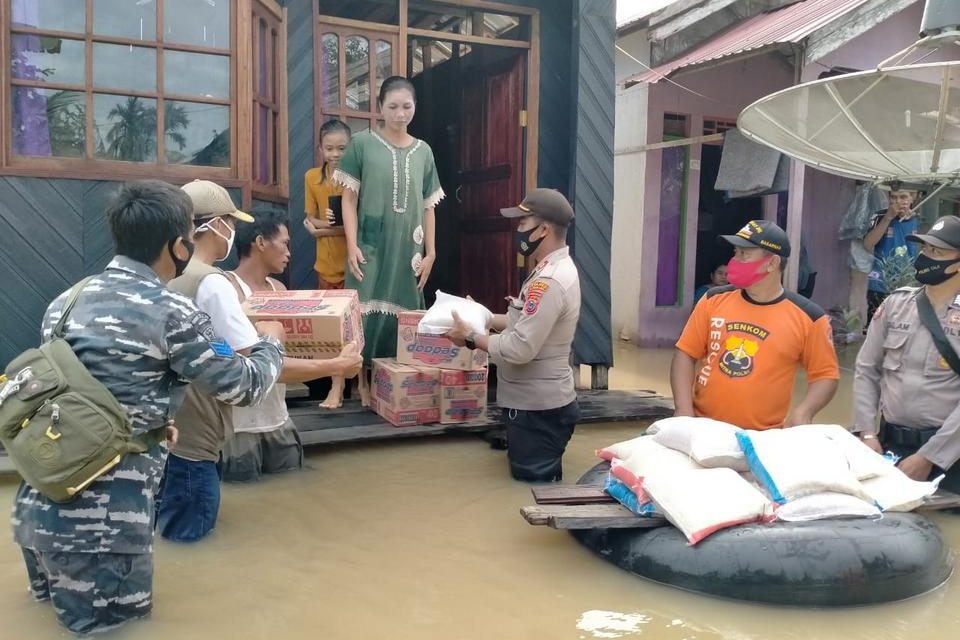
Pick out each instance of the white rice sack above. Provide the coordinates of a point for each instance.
(623, 449)
(710, 442)
(642, 457)
(864, 461)
(793, 463)
(894, 491)
(703, 501)
(438, 319)
(821, 506)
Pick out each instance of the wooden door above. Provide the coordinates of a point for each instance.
(490, 178)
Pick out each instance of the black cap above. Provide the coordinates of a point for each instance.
(761, 234)
(546, 204)
(944, 234)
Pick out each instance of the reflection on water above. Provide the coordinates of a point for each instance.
(423, 540)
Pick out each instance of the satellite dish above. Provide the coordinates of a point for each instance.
(896, 123)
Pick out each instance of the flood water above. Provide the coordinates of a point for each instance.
(423, 539)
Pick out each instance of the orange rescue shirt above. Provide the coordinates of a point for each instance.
(748, 355)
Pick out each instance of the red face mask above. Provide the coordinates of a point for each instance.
(744, 275)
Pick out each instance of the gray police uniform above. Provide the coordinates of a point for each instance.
(900, 371)
(535, 385)
(93, 556)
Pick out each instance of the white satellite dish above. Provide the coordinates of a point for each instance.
(896, 123)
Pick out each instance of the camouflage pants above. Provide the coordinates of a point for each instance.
(92, 592)
(246, 456)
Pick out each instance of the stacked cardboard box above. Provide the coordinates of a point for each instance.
(455, 376)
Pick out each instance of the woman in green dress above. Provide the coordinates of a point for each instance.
(390, 191)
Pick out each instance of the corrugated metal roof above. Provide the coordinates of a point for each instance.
(790, 24)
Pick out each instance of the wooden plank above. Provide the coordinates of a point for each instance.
(571, 494)
(456, 37)
(940, 501)
(589, 516)
(532, 150)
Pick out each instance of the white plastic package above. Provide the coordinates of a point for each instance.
(894, 491)
(864, 461)
(438, 319)
(704, 501)
(710, 442)
(821, 506)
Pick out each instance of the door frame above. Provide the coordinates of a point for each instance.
(530, 115)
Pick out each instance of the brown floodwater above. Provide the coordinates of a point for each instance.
(423, 539)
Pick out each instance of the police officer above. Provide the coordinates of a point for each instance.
(901, 371)
(93, 557)
(535, 386)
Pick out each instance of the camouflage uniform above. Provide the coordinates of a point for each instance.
(93, 556)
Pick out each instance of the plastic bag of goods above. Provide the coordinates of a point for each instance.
(701, 502)
(822, 506)
(864, 462)
(895, 491)
(632, 460)
(710, 442)
(623, 494)
(438, 319)
(793, 463)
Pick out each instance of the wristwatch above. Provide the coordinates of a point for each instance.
(469, 341)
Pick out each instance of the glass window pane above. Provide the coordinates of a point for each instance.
(330, 71)
(55, 15)
(46, 59)
(125, 128)
(445, 18)
(384, 63)
(358, 124)
(196, 133)
(205, 23)
(125, 19)
(670, 234)
(196, 74)
(264, 151)
(262, 83)
(358, 73)
(47, 122)
(381, 11)
(121, 66)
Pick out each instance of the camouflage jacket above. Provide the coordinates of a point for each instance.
(145, 343)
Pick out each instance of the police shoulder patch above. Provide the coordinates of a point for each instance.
(534, 294)
(200, 321)
(222, 348)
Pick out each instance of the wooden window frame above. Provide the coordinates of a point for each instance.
(275, 18)
(239, 172)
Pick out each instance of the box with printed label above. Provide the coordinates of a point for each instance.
(405, 396)
(432, 351)
(463, 396)
(318, 323)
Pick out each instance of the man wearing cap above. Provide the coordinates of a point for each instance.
(532, 351)
(737, 358)
(189, 499)
(904, 375)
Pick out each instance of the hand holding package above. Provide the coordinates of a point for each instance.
(438, 319)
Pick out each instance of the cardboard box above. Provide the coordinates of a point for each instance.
(405, 396)
(432, 351)
(318, 323)
(463, 396)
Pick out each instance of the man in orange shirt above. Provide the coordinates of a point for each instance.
(737, 358)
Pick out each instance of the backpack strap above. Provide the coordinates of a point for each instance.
(143, 442)
(932, 323)
(68, 306)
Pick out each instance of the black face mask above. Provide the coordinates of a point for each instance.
(179, 266)
(525, 245)
(932, 272)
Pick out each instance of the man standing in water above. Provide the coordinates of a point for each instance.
(93, 557)
(535, 385)
(911, 374)
(737, 358)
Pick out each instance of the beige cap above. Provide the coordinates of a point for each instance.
(210, 200)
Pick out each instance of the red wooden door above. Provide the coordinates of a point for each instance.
(491, 177)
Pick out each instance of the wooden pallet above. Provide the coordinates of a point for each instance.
(590, 507)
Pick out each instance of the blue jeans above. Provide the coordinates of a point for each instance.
(189, 499)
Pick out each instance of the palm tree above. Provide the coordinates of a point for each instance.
(133, 135)
(175, 120)
(67, 124)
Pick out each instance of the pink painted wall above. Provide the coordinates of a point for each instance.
(730, 88)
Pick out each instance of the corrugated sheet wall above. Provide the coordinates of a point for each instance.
(592, 187)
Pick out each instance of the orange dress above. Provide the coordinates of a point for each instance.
(332, 250)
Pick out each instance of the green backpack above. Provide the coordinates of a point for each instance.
(60, 426)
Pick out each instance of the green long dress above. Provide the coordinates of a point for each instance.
(394, 186)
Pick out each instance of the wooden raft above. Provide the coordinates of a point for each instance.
(590, 507)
